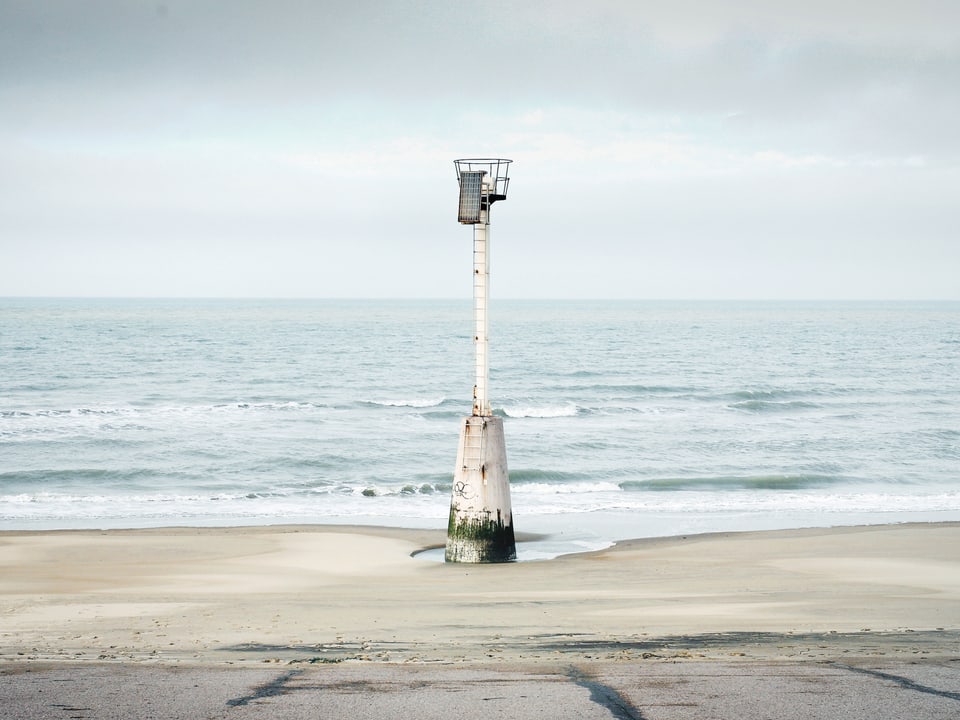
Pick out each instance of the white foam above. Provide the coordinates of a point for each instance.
(564, 488)
(412, 403)
(550, 411)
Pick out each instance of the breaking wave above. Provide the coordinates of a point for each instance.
(750, 482)
(548, 411)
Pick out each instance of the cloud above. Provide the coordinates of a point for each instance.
(690, 126)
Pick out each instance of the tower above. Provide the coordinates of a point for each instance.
(480, 528)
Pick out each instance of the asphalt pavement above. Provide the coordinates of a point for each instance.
(633, 690)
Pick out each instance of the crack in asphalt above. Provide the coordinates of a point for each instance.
(275, 687)
(905, 683)
(605, 696)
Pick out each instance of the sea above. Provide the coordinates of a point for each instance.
(622, 418)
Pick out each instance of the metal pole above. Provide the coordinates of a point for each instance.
(481, 285)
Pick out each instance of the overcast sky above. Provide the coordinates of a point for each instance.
(690, 149)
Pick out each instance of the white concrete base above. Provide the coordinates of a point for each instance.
(480, 529)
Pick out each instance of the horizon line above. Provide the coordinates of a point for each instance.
(465, 298)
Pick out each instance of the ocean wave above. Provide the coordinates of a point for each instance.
(751, 510)
(724, 482)
(133, 477)
(547, 411)
(411, 403)
(758, 406)
(646, 514)
(276, 405)
(527, 475)
(70, 412)
(131, 411)
(584, 488)
(783, 394)
(760, 394)
(638, 389)
(444, 414)
(70, 502)
(405, 490)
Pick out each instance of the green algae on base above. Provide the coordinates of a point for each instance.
(479, 539)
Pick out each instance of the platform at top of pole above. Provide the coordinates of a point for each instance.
(497, 171)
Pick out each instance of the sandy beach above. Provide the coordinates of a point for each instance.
(327, 594)
(324, 621)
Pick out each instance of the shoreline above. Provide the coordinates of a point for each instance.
(307, 594)
(546, 536)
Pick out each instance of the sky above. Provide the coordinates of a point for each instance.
(739, 149)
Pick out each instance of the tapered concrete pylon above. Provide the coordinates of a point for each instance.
(480, 529)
